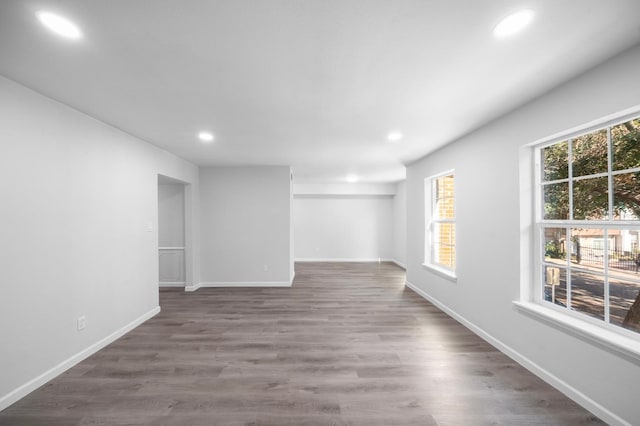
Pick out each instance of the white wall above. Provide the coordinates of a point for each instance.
(349, 222)
(78, 232)
(245, 225)
(400, 224)
(388, 189)
(170, 215)
(489, 231)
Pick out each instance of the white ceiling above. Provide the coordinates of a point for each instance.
(315, 84)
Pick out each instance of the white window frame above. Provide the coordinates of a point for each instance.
(613, 338)
(430, 220)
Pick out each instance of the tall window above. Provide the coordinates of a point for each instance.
(441, 239)
(589, 224)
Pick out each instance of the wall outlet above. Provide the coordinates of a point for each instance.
(82, 322)
(266, 268)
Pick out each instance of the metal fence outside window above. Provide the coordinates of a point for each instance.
(618, 259)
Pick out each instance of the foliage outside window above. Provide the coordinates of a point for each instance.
(590, 224)
(441, 247)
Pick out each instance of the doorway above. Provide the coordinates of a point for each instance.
(171, 233)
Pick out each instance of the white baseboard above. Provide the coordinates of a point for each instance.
(35, 383)
(571, 392)
(241, 284)
(192, 287)
(344, 260)
(172, 284)
(218, 284)
(400, 264)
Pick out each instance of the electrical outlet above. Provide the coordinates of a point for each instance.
(82, 322)
(266, 268)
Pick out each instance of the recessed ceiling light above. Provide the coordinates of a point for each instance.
(351, 178)
(205, 136)
(394, 136)
(59, 25)
(513, 23)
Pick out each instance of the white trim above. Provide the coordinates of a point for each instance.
(599, 332)
(437, 175)
(442, 272)
(170, 248)
(192, 287)
(400, 264)
(172, 284)
(598, 124)
(218, 284)
(366, 259)
(430, 196)
(564, 387)
(50, 374)
(609, 340)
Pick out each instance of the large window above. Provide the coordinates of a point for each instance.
(440, 250)
(589, 225)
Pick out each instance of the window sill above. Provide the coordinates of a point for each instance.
(613, 342)
(448, 275)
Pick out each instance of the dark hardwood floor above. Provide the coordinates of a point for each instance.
(348, 344)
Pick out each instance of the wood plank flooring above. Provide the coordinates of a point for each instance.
(347, 345)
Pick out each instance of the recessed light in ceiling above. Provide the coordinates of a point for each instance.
(351, 178)
(59, 25)
(205, 136)
(395, 136)
(513, 23)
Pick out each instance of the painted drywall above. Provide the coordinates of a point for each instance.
(245, 225)
(486, 163)
(400, 224)
(79, 235)
(388, 189)
(347, 222)
(170, 215)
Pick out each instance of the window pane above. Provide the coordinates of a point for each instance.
(587, 293)
(591, 199)
(556, 201)
(444, 186)
(442, 228)
(444, 209)
(555, 248)
(555, 288)
(623, 251)
(444, 233)
(626, 196)
(624, 303)
(555, 161)
(587, 248)
(590, 153)
(444, 198)
(444, 255)
(444, 244)
(580, 257)
(625, 140)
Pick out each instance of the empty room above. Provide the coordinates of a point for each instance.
(319, 212)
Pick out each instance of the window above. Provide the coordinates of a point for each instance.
(440, 247)
(589, 225)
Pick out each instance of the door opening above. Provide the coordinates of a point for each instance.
(171, 232)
